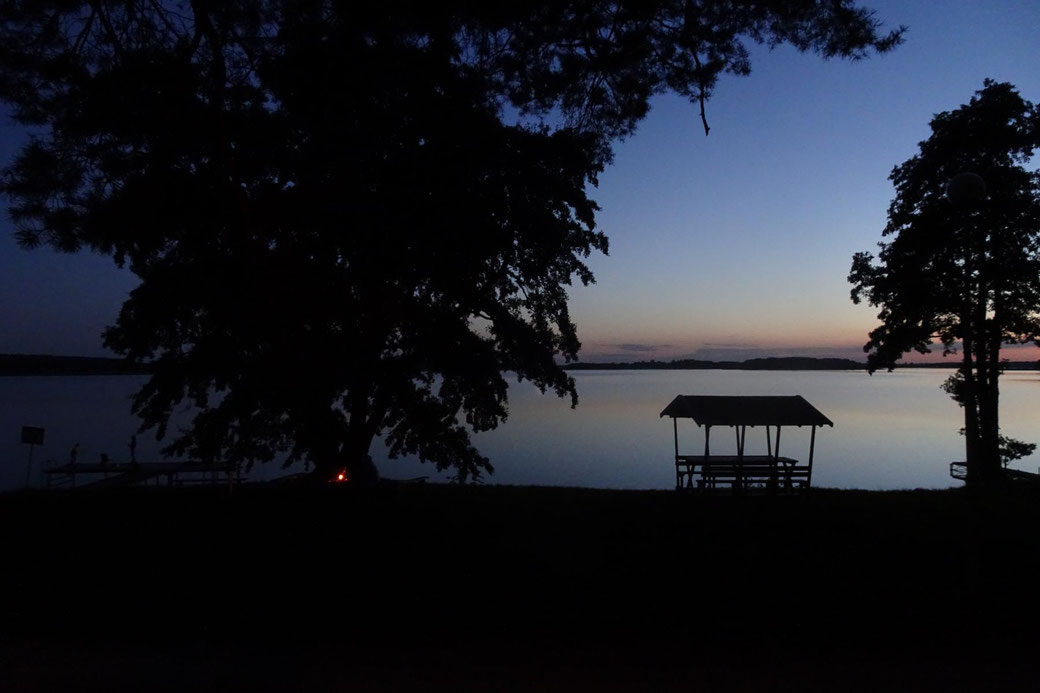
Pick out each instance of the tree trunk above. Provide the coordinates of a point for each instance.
(356, 459)
(987, 368)
(981, 417)
(350, 458)
(347, 452)
(989, 410)
(969, 401)
(989, 432)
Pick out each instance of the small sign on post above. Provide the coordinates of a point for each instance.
(31, 436)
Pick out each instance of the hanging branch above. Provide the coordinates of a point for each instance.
(701, 94)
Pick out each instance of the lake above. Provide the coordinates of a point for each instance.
(892, 430)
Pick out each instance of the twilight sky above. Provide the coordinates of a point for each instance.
(727, 246)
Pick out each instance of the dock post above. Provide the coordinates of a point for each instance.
(28, 466)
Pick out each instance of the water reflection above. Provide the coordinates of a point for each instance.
(892, 430)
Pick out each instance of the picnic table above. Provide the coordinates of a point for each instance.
(749, 471)
(740, 412)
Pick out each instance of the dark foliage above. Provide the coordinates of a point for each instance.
(966, 274)
(351, 218)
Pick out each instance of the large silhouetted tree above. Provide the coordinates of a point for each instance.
(350, 218)
(963, 269)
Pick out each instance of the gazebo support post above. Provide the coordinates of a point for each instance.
(812, 446)
(678, 474)
(707, 453)
(740, 456)
(774, 476)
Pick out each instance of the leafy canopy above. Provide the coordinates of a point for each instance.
(954, 271)
(963, 269)
(351, 218)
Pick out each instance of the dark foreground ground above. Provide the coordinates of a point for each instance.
(499, 588)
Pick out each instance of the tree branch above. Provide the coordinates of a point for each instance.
(81, 39)
(701, 95)
(109, 29)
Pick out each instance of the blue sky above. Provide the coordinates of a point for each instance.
(743, 239)
(726, 246)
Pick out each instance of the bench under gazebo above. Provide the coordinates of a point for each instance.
(740, 412)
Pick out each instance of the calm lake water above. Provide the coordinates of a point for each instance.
(892, 430)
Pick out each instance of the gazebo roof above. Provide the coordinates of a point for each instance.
(746, 410)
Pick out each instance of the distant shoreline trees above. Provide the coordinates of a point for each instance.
(339, 233)
(965, 272)
(782, 363)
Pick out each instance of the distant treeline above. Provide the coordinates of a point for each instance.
(1010, 365)
(38, 364)
(787, 363)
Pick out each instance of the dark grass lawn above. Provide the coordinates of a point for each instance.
(414, 586)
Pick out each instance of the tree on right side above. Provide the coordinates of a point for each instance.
(963, 263)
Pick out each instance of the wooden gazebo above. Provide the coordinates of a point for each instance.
(739, 412)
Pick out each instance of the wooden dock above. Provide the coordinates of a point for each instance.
(116, 474)
(959, 470)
